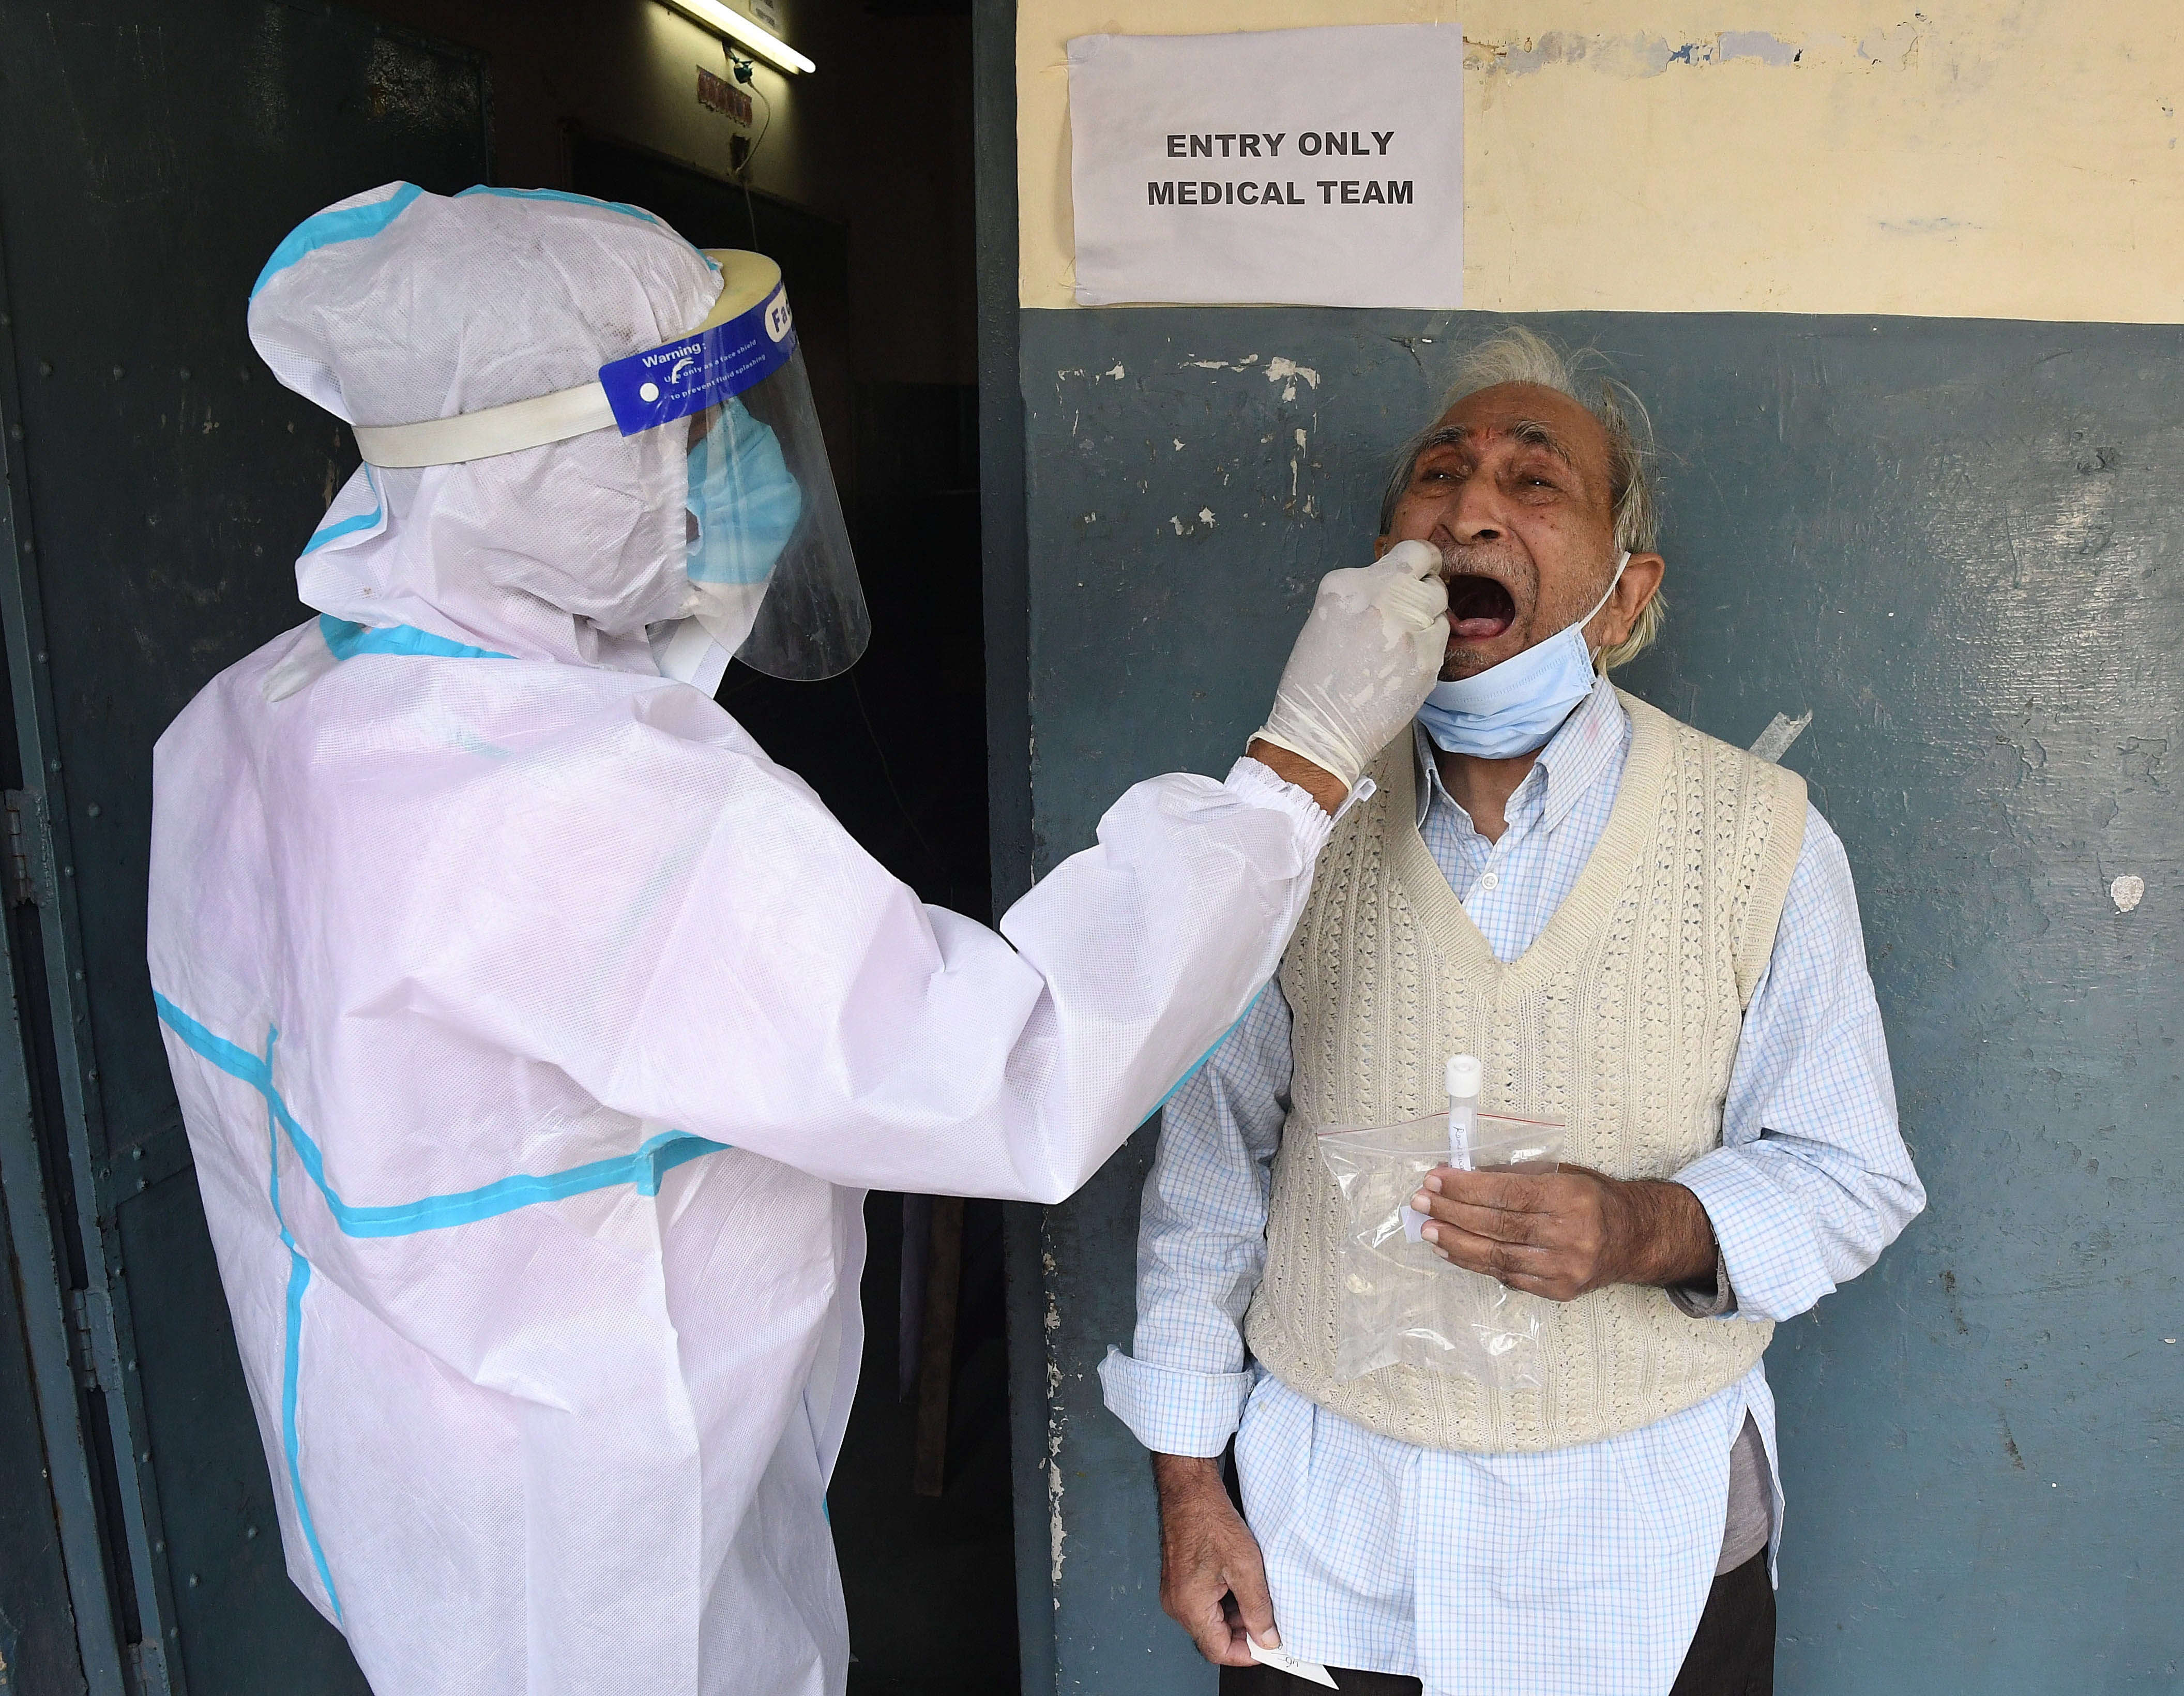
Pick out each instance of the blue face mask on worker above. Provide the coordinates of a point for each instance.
(1512, 708)
(745, 504)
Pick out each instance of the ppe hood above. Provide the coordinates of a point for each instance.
(398, 305)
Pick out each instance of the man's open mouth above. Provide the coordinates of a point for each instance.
(1478, 608)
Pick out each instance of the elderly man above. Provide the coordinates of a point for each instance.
(1641, 931)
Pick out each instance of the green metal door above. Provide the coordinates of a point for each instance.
(158, 485)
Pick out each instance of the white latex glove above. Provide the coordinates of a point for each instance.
(1364, 662)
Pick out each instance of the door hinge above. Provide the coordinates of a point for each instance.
(148, 1660)
(91, 1340)
(30, 868)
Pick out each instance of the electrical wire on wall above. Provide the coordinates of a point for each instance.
(746, 72)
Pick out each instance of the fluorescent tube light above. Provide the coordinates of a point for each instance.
(736, 27)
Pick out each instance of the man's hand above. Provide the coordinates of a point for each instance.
(1560, 1233)
(1212, 1582)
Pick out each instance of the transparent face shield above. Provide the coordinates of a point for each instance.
(772, 580)
(742, 507)
(812, 622)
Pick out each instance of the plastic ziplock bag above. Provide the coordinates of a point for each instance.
(1399, 1303)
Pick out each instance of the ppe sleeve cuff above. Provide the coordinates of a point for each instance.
(1174, 1411)
(1254, 782)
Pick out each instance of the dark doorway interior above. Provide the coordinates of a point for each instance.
(896, 747)
(897, 750)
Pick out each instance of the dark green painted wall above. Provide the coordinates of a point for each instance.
(158, 484)
(1959, 545)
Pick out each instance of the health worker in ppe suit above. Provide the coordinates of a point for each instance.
(538, 1036)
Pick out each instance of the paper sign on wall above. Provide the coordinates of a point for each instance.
(1296, 167)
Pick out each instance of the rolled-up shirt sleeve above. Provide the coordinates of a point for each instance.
(1811, 1180)
(1202, 1242)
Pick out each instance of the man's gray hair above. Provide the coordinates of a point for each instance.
(1516, 354)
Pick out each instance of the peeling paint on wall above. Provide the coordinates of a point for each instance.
(1736, 44)
(1926, 226)
(1288, 373)
(1649, 55)
(1057, 1426)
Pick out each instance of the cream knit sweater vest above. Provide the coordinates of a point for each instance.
(1622, 1020)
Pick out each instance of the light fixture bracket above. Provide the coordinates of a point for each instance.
(730, 25)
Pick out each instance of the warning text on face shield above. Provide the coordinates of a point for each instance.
(661, 384)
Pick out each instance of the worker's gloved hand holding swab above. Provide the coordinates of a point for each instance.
(1364, 662)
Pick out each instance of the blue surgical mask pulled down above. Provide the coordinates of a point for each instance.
(747, 505)
(1514, 707)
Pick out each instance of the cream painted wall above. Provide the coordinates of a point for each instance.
(2008, 159)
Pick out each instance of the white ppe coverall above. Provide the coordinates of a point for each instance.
(538, 1036)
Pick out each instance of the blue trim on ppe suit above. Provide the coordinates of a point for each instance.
(644, 1167)
(292, 1351)
(345, 641)
(324, 229)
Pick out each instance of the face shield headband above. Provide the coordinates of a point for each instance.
(773, 580)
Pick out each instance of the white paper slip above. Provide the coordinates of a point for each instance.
(1414, 1223)
(1283, 1662)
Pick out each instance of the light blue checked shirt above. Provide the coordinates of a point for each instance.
(1579, 1572)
